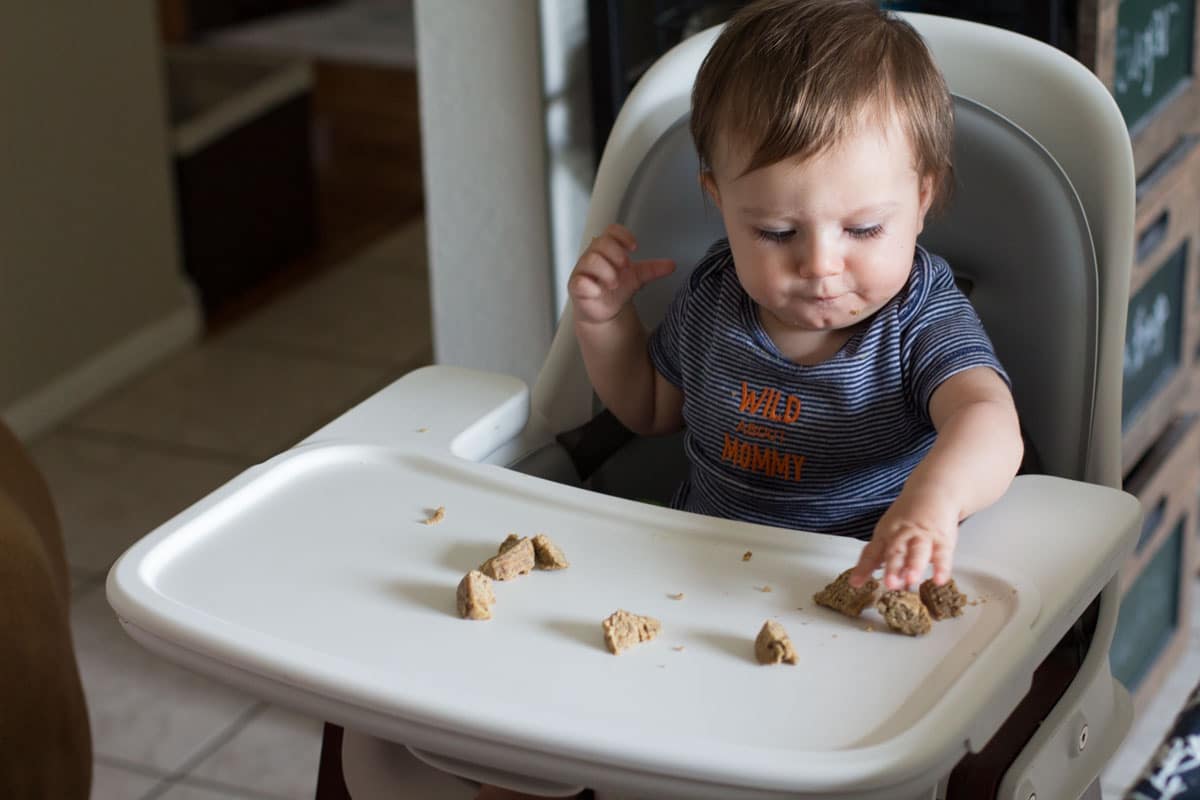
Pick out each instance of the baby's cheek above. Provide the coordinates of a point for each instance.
(888, 279)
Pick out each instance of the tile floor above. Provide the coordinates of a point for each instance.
(155, 446)
(151, 448)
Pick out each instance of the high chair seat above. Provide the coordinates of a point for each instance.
(310, 579)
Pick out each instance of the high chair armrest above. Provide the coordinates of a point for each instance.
(473, 414)
(1086, 725)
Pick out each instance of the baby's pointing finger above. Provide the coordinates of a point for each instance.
(652, 269)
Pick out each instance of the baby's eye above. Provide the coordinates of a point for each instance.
(867, 232)
(777, 237)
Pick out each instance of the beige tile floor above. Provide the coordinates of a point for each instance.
(153, 447)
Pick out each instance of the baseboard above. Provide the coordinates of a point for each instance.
(45, 408)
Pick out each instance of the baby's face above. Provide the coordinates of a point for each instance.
(822, 244)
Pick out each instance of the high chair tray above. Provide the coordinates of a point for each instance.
(312, 579)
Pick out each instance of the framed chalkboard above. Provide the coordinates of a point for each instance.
(1154, 54)
(1149, 614)
(1154, 336)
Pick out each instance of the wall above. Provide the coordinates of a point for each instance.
(568, 111)
(91, 290)
(484, 159)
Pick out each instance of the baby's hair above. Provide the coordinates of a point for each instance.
(788, 79)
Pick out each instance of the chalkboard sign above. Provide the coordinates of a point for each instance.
(1154, 54)
(1153, 333)
(1149, 613)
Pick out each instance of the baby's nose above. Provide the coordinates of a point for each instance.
(819, 260)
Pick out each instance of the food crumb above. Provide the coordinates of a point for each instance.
(905, 613)
(772, 645)
(678, 649)
(547, 555)
(622, 630)
(842, 597)
(422, 430)
(437, 516)
(678, 596)
(869, 628)
(475, 596)
(764, 588)
(514, 558)
(746, 556)
(942, 601)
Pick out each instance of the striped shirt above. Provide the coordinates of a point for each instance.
(824, 447)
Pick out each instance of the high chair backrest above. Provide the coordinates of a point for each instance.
(1039, 231)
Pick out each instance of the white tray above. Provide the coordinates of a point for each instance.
(315, 573)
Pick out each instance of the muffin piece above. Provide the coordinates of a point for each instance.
(510, 541)
(515, 558)
(547, 555)
(623, 630)
(844, 598)
(475, 596)
(942, 601)
(773, 645)
(904, 613)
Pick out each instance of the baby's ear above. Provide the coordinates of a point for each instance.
(925, 198)
(709, 184)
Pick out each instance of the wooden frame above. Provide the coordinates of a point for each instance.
(1165, 483)
(1167, 220)
(1175, 114)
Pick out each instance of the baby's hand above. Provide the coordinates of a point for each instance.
(920, 527)
(605, 278)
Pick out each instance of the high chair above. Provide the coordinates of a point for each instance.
(310, 580)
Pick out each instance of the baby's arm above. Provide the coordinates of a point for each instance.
(971, 464)
(612, 338)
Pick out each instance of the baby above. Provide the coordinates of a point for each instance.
(827, 371)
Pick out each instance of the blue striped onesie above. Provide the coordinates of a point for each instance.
(825, 447)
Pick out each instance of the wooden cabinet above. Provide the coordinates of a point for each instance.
(1163, 327)
(1146, 53)
(1153, 625)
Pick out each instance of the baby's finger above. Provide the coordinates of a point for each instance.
(612, 251)
(652, 269)
(893, 571)
(919, 550)
(943, 560)
(584, 286)
(868, 562)
(598, 268)
(622, 235)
